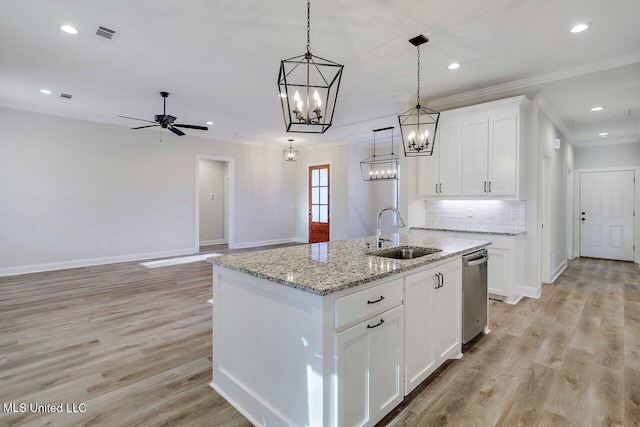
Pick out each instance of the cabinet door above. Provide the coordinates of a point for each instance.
(448, 311)
(475, 140)
(498, 272)
(429, 172)
(419, 292)
(450, 158)
(370, 368)
(503, 153)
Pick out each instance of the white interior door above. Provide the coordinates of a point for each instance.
(606, 215)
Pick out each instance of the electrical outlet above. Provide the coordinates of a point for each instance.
(103, 246)
(259, 233)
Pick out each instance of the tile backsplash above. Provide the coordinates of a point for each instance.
(478, 215)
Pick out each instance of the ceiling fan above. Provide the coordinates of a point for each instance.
(165, 120)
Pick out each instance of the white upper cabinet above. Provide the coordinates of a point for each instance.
(440, 174)
(477, 152)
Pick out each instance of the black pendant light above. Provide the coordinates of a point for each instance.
(290, 155)
(418, 126)
(308, 88)
(382, 167)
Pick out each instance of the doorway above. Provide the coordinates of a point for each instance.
(606, 215)
(214, 201)
(319, 212)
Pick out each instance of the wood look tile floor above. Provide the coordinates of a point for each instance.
(134, 345)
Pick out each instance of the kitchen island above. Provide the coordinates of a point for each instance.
(331, 334)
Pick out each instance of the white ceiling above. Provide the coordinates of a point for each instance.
(219, 59)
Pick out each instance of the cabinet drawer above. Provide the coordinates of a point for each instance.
(358, 306)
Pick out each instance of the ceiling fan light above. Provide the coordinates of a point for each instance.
(598, 108)
(46, 91)
(453, 66)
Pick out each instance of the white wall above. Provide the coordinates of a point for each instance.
(74, 192)
(350, 197)
(212, 211)
(608, 156)
(560, 160)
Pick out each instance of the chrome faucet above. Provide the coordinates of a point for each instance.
(401, 224)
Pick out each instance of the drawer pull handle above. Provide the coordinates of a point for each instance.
(378, 300)
(376, 325)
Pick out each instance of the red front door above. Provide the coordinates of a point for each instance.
(319, 203)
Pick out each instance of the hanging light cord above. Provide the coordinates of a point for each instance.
(418, 95)
(308, 26)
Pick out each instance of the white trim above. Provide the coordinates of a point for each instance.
(605, 141)
(531, 292)
(63, 265)
(519, 85)
(265, 243)
(555, 119)
(558, 271)
(229, 199)
(212, 242)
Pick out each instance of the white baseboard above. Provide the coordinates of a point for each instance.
(531, 292)
(63, 265)
(212, 242)
(558, 271)
(265, 243)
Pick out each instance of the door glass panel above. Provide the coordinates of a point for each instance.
(315, 195)
(315, 213)
(315, 178)
(324, 213)
(324, 195)
(324, 174)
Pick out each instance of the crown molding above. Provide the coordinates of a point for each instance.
(606, 141)
(541, 79)
(556, 120)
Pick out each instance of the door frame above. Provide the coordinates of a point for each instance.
(308, 201)
(544, 219)
(229, 200)
(636, 195)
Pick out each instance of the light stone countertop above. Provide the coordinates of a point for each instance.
(326, 268)
(459, 230)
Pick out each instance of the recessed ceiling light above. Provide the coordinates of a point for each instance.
(603, 134)
(209, 123)
(579, 28)
(453, 66)
(598, 108)
(46, 91)
(69, 29)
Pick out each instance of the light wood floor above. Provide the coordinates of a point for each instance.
(134, 344)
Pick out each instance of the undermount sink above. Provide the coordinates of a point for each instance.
(405, 252)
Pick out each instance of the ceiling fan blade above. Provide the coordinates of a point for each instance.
(192, 127)
(134, 118)
(148, 126)
(176, 131)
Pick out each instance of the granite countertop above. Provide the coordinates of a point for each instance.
(326, 268)
(458, 230)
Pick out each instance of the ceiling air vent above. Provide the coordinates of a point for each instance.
(65, 95)
(104, 33)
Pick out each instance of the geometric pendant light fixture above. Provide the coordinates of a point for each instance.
(380, 167)
(418, 126)
(290, 155)
(308, 88)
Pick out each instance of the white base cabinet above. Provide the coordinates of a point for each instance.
(370, 360)
(505, 270)
(282, 356)
(432, 299)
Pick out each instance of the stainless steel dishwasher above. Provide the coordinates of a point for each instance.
(474, 294)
